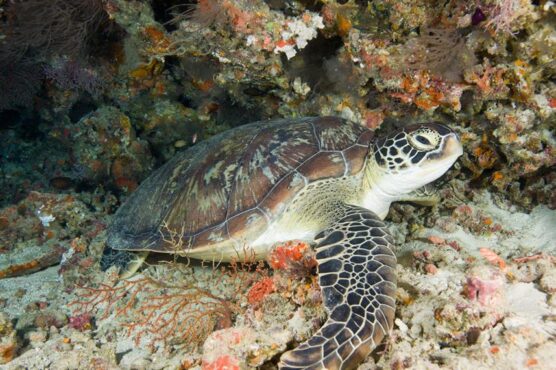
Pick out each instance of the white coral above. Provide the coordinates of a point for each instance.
(300, 32)
(46, 219)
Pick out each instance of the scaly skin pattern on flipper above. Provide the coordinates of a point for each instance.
(356, 269)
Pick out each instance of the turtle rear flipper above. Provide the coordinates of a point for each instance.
(356, 268)
(128, 262)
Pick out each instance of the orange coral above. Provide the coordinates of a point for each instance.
(259, 290)
(492, 257)
(427, 92)
(532, 362)
(343, 24)
(282, 255)
(160, 43)
(491, 82)
(437, 240)
(485, 155)
(7, 352)
(146, 71)
(283, 43)
(496, 176)
(409, 85)
(429, 99)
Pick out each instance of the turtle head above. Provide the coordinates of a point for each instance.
(409, 158)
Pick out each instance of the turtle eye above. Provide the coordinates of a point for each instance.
(424, 140)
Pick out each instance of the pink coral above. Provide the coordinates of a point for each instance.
(484, 286)
(80, 322)
(502, 15)
(220, 13)
(225, 362)
(228, 348)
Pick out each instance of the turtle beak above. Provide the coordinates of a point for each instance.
(441, 161)
(452, 146)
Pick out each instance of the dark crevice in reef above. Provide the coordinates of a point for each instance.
(165, 11)
(310, 63)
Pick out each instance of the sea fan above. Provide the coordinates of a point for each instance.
(72, 75)
(441, 51)
(34, 31)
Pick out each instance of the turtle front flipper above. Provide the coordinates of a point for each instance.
(128, 262)
(356, 268)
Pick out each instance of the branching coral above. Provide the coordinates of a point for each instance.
(501, 16)
(163, 312)
(71, 75)
(174, 311)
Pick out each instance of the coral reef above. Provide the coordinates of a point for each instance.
(183, 73)
(96, 94)
(105, 149)
(8, 343)
(47, 229)
(478, 303)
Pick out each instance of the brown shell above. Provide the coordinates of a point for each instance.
(236, 183)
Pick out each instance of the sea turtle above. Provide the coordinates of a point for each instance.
(321, 179)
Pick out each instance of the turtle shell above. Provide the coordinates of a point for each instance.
(235, 184)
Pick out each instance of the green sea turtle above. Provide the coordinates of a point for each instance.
(321, 179)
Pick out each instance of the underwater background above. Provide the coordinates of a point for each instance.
(96, 94)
